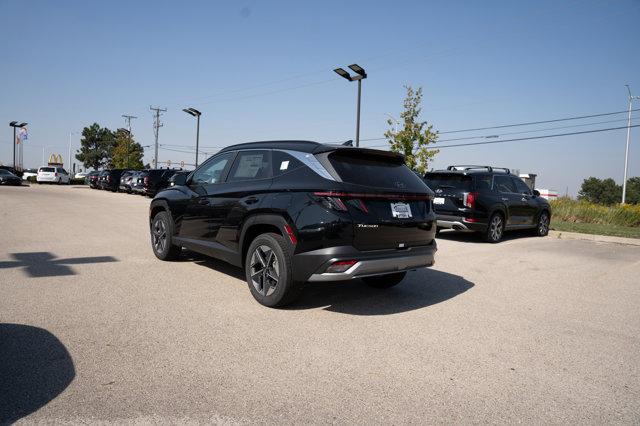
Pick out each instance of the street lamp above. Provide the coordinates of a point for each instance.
(194, 112)
(360, 75)
(626, 151)
(15, 124)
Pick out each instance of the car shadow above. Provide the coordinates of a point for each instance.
(476, 237)
(420, 289)
(35, 367)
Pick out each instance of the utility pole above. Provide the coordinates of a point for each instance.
(626, 151)
(156, 128)
(128, 119)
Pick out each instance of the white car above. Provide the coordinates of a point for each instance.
(81, 175)
(28, 173)
(52, 175)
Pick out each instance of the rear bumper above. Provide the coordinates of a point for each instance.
(310, 266)
(459, 223)
(47, 179)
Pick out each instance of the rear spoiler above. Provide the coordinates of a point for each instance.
(355, 151)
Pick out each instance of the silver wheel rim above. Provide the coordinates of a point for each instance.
(159, 236)
(543, 226)
(265, 271)
(495, 228)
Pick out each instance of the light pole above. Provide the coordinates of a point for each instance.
(626, 151)
(15, 124)
(360, 75)
(70, 162)
(194, 112)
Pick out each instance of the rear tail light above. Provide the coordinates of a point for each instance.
(56, 174)
(340, 266)
(146, 180)
(109, 178)
(469, 199)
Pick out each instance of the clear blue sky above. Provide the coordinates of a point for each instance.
(263, 70)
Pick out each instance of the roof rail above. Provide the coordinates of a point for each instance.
(475, 167)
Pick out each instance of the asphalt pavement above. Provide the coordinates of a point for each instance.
(93, 328)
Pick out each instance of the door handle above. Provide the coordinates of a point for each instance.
(203, 201)
(251, 200)
(505, 199)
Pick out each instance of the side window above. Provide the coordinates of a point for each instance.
(521, 187)
(211, 172)
(283, 163)
(503, 184)
(483, 183)
(250, 165)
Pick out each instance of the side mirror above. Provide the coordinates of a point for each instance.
(536, 193)
(178, 179)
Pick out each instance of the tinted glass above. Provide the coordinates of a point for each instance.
(4, 172)
(283, 163)
(375, 171)
(211, 171)
(250, 165)
(503, 184)
(449, 181)
(47, 169)
(521, 187)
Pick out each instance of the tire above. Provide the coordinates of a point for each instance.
(495, 228)
(542, 228)
(384, 281)
(161, 237)
(269, 272)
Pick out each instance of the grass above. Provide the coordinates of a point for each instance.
(596, 228)
(582, 212)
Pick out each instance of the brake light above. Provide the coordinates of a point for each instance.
(372, 195)
(340, 266)
(109, 178)
(469, 199)
(291, 234)
(146, 180)
(56, 174)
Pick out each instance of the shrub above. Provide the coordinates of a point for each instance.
(32, 179)
(582, 211)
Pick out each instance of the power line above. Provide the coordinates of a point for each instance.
(537, 122)
(528, 138)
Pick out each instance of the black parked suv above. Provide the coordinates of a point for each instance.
(489, 200)
(156, 180)
(110, 179)
(296, 211)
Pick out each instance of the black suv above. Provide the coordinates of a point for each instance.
(111, 179)
(155, 180)
(297, 211)
(486, 199)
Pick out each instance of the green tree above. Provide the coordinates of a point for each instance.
(605, 192)
(633, 190)
(95, 146)
(127, 153)
(414, 139)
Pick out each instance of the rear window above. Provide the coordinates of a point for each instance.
(375, 171)
(449, 181)
(47, 169)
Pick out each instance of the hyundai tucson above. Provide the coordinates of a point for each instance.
(290, 212)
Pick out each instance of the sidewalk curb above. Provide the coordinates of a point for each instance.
(591, 237)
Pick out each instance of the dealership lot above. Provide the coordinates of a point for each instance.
(93, 327)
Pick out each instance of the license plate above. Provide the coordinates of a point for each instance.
(438, 200)
(401, 210)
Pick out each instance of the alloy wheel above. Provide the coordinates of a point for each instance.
(543, 224)
(159, 236)
(265, 271)
(495, 228)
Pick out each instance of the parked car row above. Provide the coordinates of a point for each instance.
(145, 182)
